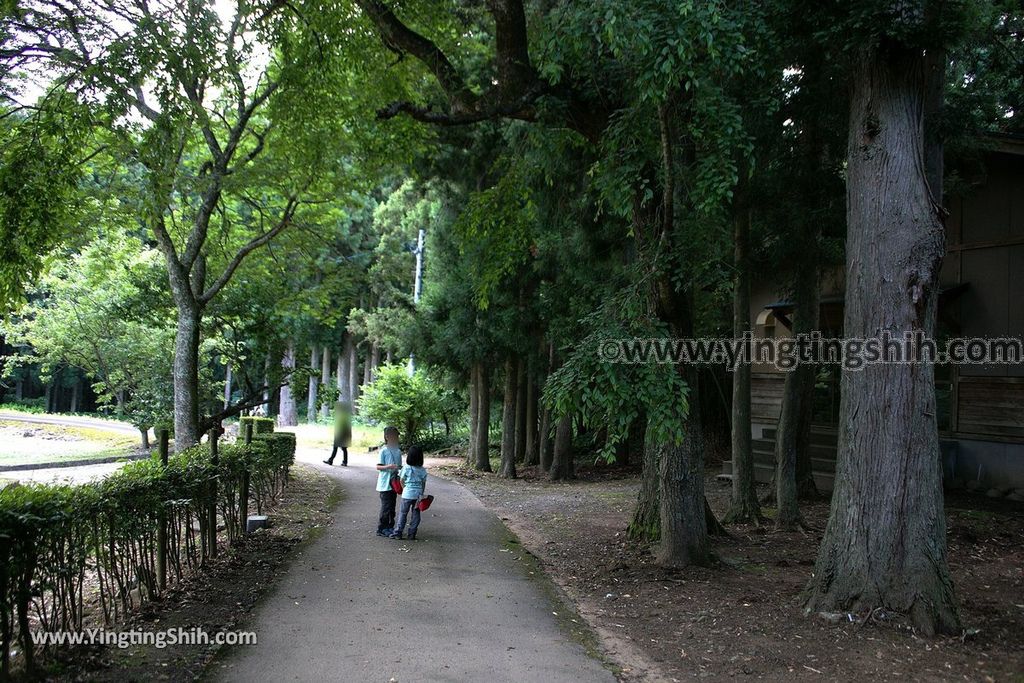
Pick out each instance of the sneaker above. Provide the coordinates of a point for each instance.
(328, 462)
(397, 537)
(412, 536)
(386, 533)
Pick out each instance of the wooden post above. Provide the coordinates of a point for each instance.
(244, 495)
(212, 519)
(161, 531)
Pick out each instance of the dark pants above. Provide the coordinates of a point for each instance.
(414, 519)
(387, 511)
(344, 455)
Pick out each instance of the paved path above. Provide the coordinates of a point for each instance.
(66, 472)
(455, 605)
(70, 421)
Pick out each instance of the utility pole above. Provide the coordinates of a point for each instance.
(417, 288)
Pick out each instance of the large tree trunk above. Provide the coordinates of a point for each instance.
(563, 459)
(368, 368)
(508, 422)
(547, 444)
(266, 383)
(325, 378)
(340, 375)
(684, 528)
(885, 542)
(353, 372)
(345, 373)
(532, 455)
(314, 382)
(482, 446)
(646, 522)
(683, 510)
(520, 448)
(793, 436)
(743, 506)
(288, 415)
(76, 395)
(227, 387)
(374, 361)
(186, 378)
(474, 411)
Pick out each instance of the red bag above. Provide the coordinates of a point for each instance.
(396, 484)
(425, 503)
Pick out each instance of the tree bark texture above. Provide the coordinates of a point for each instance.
(325, 379)
(353, 372)
(744, 506)
(186, 379)
(288, 415)
(482, 446)
(474, 411)
(508, 422)
(646, 522)
(314, 383)
(532, 455)
(885, 542)
(793, 435)
(563, 458)
(520, 448)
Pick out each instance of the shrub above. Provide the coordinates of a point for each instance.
(397, 399)
(53, 539)
(260, 425)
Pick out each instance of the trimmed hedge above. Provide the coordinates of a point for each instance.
(260, 425)
(55, 540)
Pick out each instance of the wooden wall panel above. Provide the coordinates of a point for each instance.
(991, 407)
(766, 396)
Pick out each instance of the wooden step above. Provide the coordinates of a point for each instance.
(763, 475)
(818, 437)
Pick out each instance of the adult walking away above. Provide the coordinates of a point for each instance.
(342, 433)
(388, 463)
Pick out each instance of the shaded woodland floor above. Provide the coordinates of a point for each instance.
(743, 617)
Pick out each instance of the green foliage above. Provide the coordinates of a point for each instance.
(39, 170)
(260, 425)
(495, 230)
(104, 310)
(57, 538)
(395, 398)
(614, 395)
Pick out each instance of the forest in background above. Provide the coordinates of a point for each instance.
(213, 207)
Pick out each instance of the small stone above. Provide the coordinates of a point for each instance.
(833, 617)
(994, 493)
(1016, 496)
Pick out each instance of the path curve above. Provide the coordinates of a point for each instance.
(68, 471)
(457, 605)
(70, 421)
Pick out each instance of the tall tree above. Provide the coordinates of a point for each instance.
(218, 114)
(885, 543)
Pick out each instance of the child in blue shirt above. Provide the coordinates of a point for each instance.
(414, 485)
(388, 463)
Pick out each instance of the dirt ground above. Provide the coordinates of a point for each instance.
(743, 618)
(215, 600)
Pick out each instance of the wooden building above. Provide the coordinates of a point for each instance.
(980, 408)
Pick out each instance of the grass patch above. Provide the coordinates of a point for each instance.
(31, 443)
